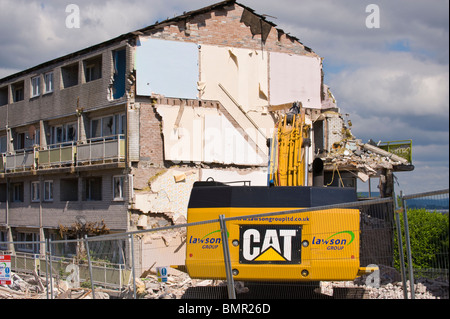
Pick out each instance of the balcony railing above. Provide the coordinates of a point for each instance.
(93, 151)
(100, 150)
(57, 154)
(21, 160)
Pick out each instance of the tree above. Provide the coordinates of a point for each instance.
(429, 237)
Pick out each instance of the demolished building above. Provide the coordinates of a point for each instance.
(117, 133)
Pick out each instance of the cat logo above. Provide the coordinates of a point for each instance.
(270, 244)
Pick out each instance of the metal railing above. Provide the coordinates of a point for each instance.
(92, 151)
(57, 154)
(101, 149)
(21, 160)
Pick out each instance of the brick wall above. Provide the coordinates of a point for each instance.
(151, 149)
(222, 27)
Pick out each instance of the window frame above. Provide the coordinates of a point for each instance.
(18, 92)
(35, 188)
(89, 75)
(3, 144)
(27, 247)
(48, 82)
(48, 197)
(88, 194)
(35, 86)
(118, 123)
(37, 137)
(121, 196)
(17, 192)
(65, 138)
(19, 141)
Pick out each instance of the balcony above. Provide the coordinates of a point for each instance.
(101, 150)
(20, 161)
(57, 155)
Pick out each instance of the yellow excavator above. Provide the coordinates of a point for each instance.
(310, 246)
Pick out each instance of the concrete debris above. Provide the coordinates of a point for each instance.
(175, 286)
(28, 286)
(366, 159)
(390, 286)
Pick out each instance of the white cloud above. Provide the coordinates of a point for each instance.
(424, 178)
(394, 83)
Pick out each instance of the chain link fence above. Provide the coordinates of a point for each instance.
(391, 248)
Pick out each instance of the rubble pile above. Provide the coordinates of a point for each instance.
(366, 158)
(390, 286)
(33, 286)
(174, 288)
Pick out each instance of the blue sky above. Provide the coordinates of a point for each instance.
(392, 80)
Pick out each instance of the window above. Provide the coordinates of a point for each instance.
(68, 189)
(48, 190)
(3, 193)
(56, 134)
(118, 187)
(35, 186)
(90, 75)
(63, 133)
(17, 192)
(71, 132)
(92, 69)
(19, 141)
(35, 86)
(93, 188)
(37, 137)
(4, 95)
(108, 125)
(120, 68)
(3, 144)
(3, 240)
(48, 82)
(120, 126)
(28, 245)
(69, 75)
(17, 91)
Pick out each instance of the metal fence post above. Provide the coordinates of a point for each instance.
(408, 249)
(51, 267)
(46, 251)
(132, 264)
(89, 265)
(227, 260)
(400, 247)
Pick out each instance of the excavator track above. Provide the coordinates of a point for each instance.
(275, 291)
